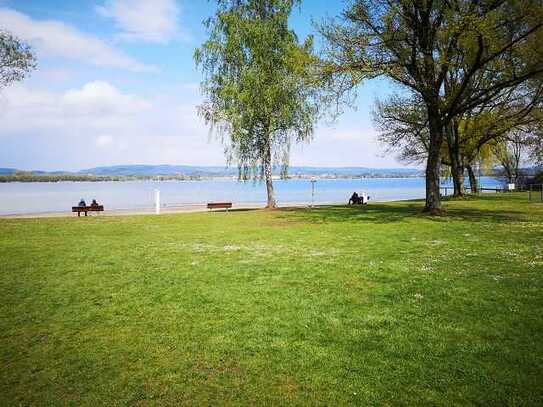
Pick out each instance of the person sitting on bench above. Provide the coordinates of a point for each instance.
(94, 204)
(82, 203)
(355, 199)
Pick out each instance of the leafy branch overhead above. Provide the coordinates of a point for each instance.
(16, 59)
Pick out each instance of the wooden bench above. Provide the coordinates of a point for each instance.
(219, 205)
(79, 209)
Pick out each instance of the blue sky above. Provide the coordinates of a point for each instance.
(116, 84)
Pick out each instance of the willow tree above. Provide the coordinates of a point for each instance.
(421, 44)
(257, 96)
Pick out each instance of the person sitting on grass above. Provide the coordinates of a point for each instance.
(82, 203)
(355, 199)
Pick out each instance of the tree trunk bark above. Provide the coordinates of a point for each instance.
(472, 180)
(458, 180)
(457, 169)
(433, 164)
(268, 172)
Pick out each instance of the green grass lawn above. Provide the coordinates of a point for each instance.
(336, 305)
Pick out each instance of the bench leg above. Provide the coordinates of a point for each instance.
(78, 214)
(85, 213)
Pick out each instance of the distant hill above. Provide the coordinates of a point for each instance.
(352, 170)
(203, 172)
(7, 171)
(156, 170)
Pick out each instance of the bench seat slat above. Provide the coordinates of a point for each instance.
(98, 208)
(84, 209)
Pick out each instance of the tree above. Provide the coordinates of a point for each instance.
(256, 85)
(403, 126)
(16, 59)
(509, 153)
(536, 149)
(438, 50)
(494, 122)
(470, 137)
(534, 138)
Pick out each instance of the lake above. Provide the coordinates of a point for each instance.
(38, 197)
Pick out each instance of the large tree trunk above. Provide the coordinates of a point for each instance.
(457, 169)
(433, 164)
(268, 172)
(472, 179)
(458, 180)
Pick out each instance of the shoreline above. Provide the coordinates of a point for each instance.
(189, 208)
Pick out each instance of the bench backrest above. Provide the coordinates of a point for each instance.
(212, 205)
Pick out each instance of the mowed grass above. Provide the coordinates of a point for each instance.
(376, 305)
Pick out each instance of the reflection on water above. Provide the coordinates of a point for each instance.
(21, 198)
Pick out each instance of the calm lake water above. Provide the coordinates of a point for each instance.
(29, 198)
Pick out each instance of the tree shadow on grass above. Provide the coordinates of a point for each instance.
(395, 212)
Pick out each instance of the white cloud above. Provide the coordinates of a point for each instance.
(104, 141)
(55, 38)
(96, 105)
(143, 20)
(345, 146)
(101, 98)
(99, 124)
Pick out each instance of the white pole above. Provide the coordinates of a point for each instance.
(313, 180)
(157, 201)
